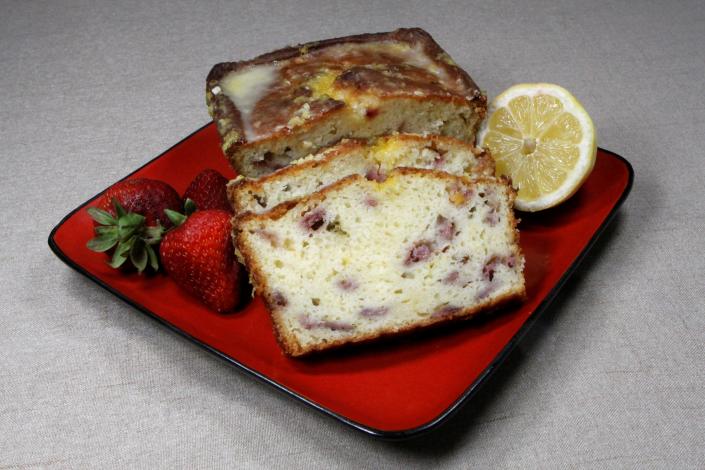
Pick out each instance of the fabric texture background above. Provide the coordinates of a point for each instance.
(613, 376)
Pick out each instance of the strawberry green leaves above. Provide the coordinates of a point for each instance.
(176, 218)
(101, 216)
(106, 239)
(127, 235)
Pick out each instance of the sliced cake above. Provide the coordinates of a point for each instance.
(362, 259)
(290, 103)
(373, 161)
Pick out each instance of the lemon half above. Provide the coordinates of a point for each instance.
(542, 137)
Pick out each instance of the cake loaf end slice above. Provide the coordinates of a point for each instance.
(420, 248)
(292, 102)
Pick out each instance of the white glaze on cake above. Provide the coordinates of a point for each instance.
(245, 88)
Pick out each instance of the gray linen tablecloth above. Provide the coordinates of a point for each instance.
(614, 376)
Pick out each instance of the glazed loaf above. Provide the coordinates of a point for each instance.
(373, 161)
(287, 104)
(420, 248)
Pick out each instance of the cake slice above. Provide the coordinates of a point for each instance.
(290, 103)
(373, 161)
(363, 259)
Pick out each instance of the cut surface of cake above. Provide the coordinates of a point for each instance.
(364, 259)
(290, 103)
(373, 161)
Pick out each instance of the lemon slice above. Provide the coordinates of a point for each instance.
(541, 137)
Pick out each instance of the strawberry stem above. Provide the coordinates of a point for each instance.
(189, 207)
(100, 216)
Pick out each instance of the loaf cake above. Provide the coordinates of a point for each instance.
(287, 104)
(373, 161)
(363, 259)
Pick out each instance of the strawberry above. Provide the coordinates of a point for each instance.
(128, 220)
(143, 196)
(198, 255)
(207, 190)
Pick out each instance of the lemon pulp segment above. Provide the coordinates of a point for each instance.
(543, 139)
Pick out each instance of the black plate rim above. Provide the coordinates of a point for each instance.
(398, 435)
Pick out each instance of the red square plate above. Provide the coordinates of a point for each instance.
(394, 390)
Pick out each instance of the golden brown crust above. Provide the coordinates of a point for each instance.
(229, 119)
(408, 35)
(289, 343)
(485, 161)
